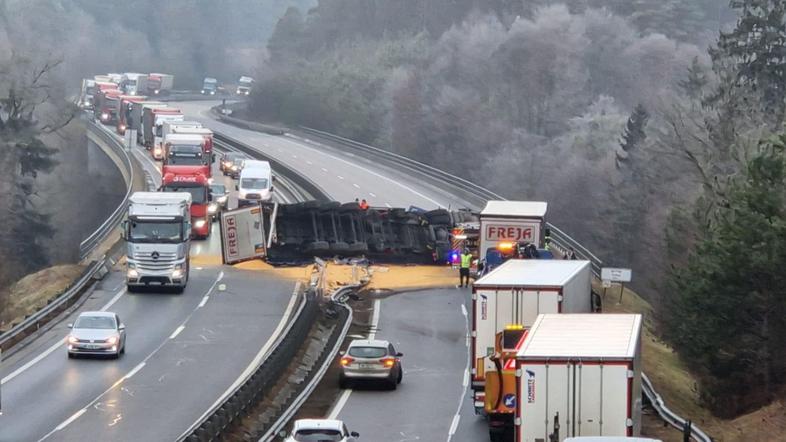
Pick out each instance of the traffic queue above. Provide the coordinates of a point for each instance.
(546, 365)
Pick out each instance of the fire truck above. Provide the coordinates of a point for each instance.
(198, 186)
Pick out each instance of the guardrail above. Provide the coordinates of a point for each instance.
(560, 239)
(38, 319)
(473, 193)
(123, 161)
(312, 190)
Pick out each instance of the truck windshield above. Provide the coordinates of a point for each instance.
(155, 232)
(254, 183)
(185, 156)
(198, 194)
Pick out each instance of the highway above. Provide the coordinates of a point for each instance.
(429, 327)
(205, 337)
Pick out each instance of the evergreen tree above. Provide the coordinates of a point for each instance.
(633, 134)
(757, 49)
(694, 84)
(728, 312)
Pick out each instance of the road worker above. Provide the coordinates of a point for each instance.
(466, 262)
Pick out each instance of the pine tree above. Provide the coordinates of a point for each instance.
(757, 49)
(633, 134)
(728, 309)
(696, 81)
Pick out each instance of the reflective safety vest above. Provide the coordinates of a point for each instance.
(466, 260)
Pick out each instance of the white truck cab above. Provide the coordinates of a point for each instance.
(244, 85)
(158, 231)
(255, 184)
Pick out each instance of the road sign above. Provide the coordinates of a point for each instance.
(615, 275)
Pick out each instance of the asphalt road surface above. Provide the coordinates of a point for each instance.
(183, 351)
(429, 327)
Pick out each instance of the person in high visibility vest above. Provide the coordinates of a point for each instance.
(547, 240)
(466, 262)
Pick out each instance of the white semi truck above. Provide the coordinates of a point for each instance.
(135, 84)
(579, 375)
(506, 223)
(244, 85)
(158, 234)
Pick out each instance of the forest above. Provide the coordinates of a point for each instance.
(652, 128)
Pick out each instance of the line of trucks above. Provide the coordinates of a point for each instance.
(545, 364)
(153, 84)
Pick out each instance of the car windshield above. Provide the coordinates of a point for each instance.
(218, 189)
(185, 156)
(367, 352)
(198, 195)
(318, 435)
(253, 183)
(96, 322)
(155, 232)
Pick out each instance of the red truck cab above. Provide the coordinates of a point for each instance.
(185, 155)
(198, 186)
(124, 110)
(105, 109)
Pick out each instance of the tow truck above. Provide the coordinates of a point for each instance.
(198, 186)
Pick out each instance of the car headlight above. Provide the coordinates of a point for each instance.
(222, 199)
(200, 223)
(234, 167)
(112, 340)
(123, 127)
(212, 92)
(104, 116)
(72, 340)
(156, 91)
(212, 208)
(132, 273)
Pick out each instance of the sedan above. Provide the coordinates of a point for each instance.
(230, 163)
(320, 430)
(371, 360)
(96, 333)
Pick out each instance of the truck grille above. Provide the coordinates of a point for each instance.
(253, 196)
(164, 261)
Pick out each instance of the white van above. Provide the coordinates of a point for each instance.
(255, 184)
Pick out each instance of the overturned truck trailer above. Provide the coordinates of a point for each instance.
(327, 229)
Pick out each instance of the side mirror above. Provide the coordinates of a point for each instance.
(282, 434)
(399, 354)
(271, 188)
(124, 230)
(236, 187)
(210, 197)
(212, 158)
(275, 178)
(342, 353)
(70, 325)
(121, 327)
(354, 434)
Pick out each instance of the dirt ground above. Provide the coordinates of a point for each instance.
(34, 291)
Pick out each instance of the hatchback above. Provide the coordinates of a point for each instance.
(374, 360)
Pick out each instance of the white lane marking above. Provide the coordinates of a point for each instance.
(324, 170)
(454, 425)
(70, 419)
(132, 372)
(340, 177)
(203, 302)
(135, 370)
(113, 300)
(309, 163)
(372, 194)
(374, 320)
(342, 400)
(339, 405)
(262, 352)
(369, 171)
(56, 345)
(294, 156)
(356, 186)
(457, 416)
(177, 332)
(389, 206)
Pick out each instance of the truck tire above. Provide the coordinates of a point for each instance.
(438, 216)
(317, 247)
(339, 247)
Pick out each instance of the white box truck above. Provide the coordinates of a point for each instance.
(511, 222)
(158, 234)
(583, 372)
(160, 84)
(505, 303)
(135, 84)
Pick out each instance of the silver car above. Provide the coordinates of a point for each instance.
(320, 430)
(374, 360)
(96, 333)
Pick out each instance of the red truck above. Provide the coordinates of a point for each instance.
(106, 104)
(126, 103)
(198, 186)
(185, 155)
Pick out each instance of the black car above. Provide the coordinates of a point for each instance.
(231, 163)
